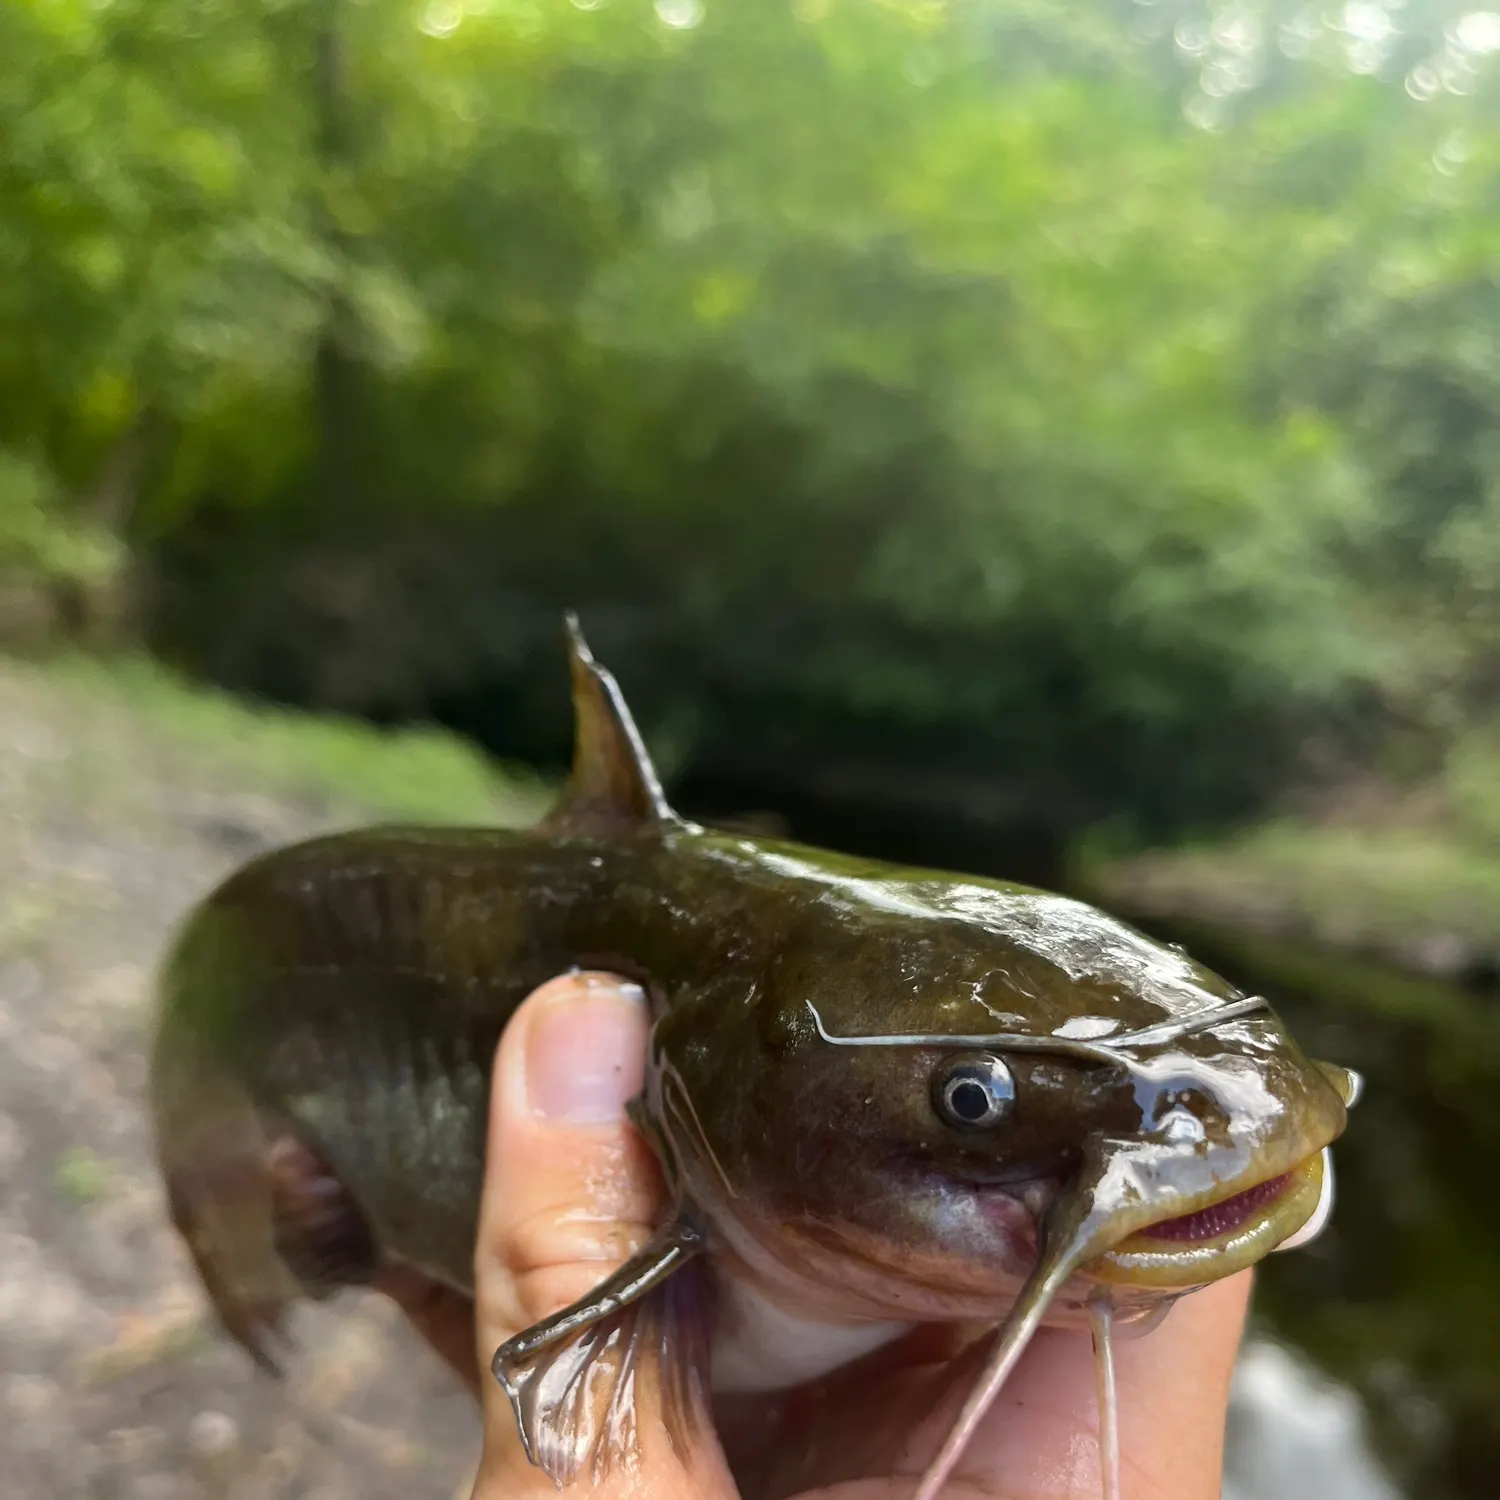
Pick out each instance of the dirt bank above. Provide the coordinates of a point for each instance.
(112, 1384)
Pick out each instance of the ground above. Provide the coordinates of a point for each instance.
(122, 800)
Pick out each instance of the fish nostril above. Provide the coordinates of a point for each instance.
(1183, 1116)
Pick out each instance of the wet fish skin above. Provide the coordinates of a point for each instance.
(347, 994)
(355, 988)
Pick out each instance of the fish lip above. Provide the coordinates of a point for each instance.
(1222, 1217)
(1142, 1259)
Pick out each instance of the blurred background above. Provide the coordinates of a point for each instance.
(1057, 441)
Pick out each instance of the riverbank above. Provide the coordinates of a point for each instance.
(1406, 877)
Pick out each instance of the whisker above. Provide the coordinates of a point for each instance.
(680, 1102)
(1101, 1319)
(1107, 1053)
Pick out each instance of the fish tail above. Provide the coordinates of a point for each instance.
(262, 1216)
(219, 1196)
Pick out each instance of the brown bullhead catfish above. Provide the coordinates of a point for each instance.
(880, 1096)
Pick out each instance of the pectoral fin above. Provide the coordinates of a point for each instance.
(574, 1380)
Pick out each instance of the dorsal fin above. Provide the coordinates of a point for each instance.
(614, 785)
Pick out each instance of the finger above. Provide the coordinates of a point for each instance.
(571, 1191)
(1174, 1390)
(570, 1188)
(1173, 1393)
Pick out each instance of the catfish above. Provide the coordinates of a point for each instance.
(880, 1097)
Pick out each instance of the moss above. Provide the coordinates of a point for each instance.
(1419, 891)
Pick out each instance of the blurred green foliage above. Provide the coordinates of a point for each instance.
(1099, 399)
(39, 538)
(984, 410)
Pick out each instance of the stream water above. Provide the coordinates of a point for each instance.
(1294, 1434)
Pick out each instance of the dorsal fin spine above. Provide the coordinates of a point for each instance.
(613, 784)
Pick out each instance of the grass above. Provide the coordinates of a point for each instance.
(1414, 879)
(418, 775)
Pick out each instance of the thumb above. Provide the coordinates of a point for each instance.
(571, 1191)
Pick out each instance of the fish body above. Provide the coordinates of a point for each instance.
(880, 1096)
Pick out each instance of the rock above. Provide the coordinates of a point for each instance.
(213, 1435)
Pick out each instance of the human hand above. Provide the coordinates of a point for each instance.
(571, 1191)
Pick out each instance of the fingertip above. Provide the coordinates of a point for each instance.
(573, 1053)
(1174, 1388)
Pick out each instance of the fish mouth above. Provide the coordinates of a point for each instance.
(1222, 1236)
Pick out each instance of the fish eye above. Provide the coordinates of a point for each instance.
(974, 1093)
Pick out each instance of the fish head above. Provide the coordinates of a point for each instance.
(941, 1089)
